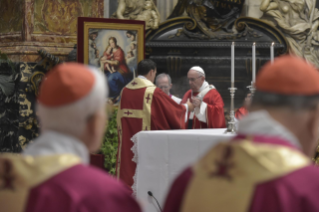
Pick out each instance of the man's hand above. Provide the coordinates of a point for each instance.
(190, 105)
(196, 101)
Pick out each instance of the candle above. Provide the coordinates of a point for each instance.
(272, 52)
(254, 62)
(232, 64)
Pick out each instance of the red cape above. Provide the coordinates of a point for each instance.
(214, 112)
(294, 192)
(166, 114)
(81, 188)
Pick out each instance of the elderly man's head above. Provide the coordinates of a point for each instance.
(163, 81)
(72, 101)
(196, 78)
(289, 90)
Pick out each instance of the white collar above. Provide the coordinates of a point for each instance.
(261, 123)
(52, 142)
(142, 77)
(204, 85)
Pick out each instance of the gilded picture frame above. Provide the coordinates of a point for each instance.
(112, 46)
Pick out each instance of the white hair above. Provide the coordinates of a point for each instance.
(162, 75)
(72, 118)
(199, 70)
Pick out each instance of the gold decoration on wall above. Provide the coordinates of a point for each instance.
(25, 106)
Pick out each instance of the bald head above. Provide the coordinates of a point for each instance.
(196, 78)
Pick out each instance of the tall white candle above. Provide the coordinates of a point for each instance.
(232, 64)
(254, 62)
(272, 53)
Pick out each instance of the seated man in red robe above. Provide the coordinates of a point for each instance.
(53, 173)
(143, 106)
(209, 105)
(242, 111)
(267, 166)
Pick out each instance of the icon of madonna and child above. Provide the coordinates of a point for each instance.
(114, 52)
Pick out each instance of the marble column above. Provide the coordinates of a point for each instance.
(106, 9)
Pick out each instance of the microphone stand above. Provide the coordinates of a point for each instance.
(151, 195)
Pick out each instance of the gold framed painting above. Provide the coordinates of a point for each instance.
(114, 47)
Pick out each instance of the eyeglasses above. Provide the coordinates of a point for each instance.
(193, 79)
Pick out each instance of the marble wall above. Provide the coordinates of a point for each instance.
(29, 25)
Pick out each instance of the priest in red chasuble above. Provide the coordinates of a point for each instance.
(54, 174)
(243, 111)
(144, 107)
(209, 105)
(267, 166)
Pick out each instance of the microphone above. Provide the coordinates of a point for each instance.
(151, 195)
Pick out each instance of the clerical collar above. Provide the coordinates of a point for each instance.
(261, 123)
(52, 142)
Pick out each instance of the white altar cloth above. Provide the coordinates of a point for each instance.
(162, 155)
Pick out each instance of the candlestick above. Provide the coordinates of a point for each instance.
(232, 64)
(231, 126)
(272, 54)
(254, 62)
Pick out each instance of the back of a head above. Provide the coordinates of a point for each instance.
(145, 66)
(289, 82)
(69, 95)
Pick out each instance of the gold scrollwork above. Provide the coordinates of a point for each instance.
(36, 80)
(25, 106)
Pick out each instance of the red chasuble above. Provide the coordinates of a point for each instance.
(143, 107)
(241, 112)
(59, 183)
(214, 113)
(266, 174)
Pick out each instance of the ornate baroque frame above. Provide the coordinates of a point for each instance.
(84, 24)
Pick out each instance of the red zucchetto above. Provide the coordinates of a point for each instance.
(288, 75)
(70, 94)
(66, 83)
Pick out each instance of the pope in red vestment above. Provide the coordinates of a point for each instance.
(144, 107)
(267, 166)
(209, 105)
(53, 174)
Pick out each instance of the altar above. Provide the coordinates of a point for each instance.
(162, 155)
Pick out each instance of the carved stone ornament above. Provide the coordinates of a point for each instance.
(298, 20)
(214, 18)
(142, 10)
